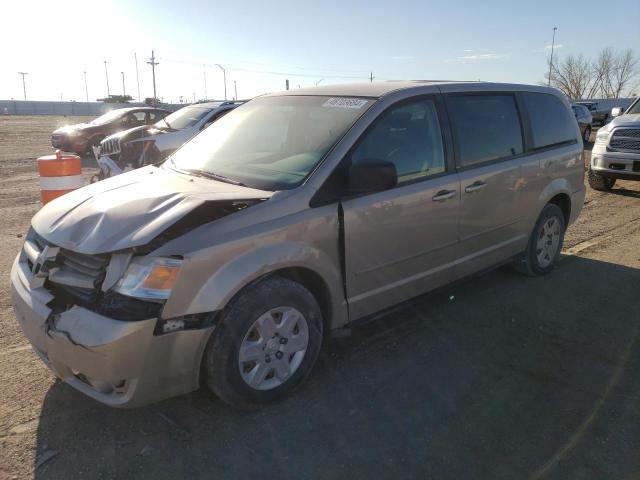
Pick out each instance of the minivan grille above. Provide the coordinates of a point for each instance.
(77, 276)
(625, 140)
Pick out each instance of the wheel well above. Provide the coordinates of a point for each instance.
(316, 285)
(563, 201)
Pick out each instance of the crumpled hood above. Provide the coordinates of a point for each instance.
(129, 210)
(631, 120)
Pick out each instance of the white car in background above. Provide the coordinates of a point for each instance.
(149, 144)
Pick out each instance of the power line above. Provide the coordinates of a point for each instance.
(24, 85)
(153, 64)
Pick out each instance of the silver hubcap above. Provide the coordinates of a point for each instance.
(273, 348)
(548, 242)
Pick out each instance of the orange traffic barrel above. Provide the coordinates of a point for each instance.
(59, 174)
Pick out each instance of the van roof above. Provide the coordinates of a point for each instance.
(379, 89)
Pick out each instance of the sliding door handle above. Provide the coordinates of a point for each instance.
(443, 195)
(475, 186)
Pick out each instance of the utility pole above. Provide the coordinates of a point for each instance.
(553, 44)
(224, 74)
(135, 56)
(123, 90)
(86, 90)
(205, 81)
(371, 78)
(286, 84)
(106, 74)
(153, 64)
(24, 85)
(235, 87)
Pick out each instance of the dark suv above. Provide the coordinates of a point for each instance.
(80, 138)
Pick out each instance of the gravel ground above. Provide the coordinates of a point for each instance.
(497, 377)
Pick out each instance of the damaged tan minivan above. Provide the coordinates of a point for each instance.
(293, 215)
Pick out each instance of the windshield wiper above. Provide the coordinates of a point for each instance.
(214, 176)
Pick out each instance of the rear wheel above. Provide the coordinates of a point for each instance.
(545, 244)
(266, 343)
(600, 182)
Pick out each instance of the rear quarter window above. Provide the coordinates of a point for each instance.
(486, 127)
(551, 121)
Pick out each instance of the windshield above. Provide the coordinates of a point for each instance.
(107, 117)
(634, 108)
(183, 118)
(271, 143)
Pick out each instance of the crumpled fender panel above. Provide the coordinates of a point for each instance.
(132, 209)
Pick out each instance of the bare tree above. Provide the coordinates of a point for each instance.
(623, 72)
(573, 76)
(610, 75)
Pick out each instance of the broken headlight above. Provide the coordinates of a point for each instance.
(150, 278)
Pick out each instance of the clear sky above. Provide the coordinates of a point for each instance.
(261, 43)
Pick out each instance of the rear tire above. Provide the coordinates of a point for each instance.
(545, 243)
(600, 182)
(265, 344)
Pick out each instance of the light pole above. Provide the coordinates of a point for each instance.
(123, 90)
(224, 75)
(205, 81)
(106, 75)
(24, 85)
(235, 88)
(318, 82)
(135, 56)
(86, 90)
(553, 44)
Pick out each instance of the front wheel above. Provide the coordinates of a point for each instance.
(265, 344)
(600, 182)
(545, 244)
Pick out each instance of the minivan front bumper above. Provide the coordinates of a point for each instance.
(119, 363)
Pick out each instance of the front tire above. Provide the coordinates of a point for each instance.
(600, 182)
(265, 344)
(545, 243)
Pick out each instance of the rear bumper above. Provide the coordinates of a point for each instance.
(121, 364)
(577, 202)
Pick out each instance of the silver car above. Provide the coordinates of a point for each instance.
(295, 214)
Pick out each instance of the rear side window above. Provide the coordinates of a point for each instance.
(486, 127)
(551, 121)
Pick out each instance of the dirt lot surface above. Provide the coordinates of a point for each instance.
(500, 377)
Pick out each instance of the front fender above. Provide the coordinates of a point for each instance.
(216, 292)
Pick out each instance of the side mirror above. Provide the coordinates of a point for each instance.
(369, 176)
(617, 111)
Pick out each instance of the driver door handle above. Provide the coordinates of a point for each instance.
(443, 195)
(475, 186)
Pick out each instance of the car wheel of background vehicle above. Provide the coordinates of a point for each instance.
(545, 244)
(600, 182)
(265, 343)
(587, 135)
